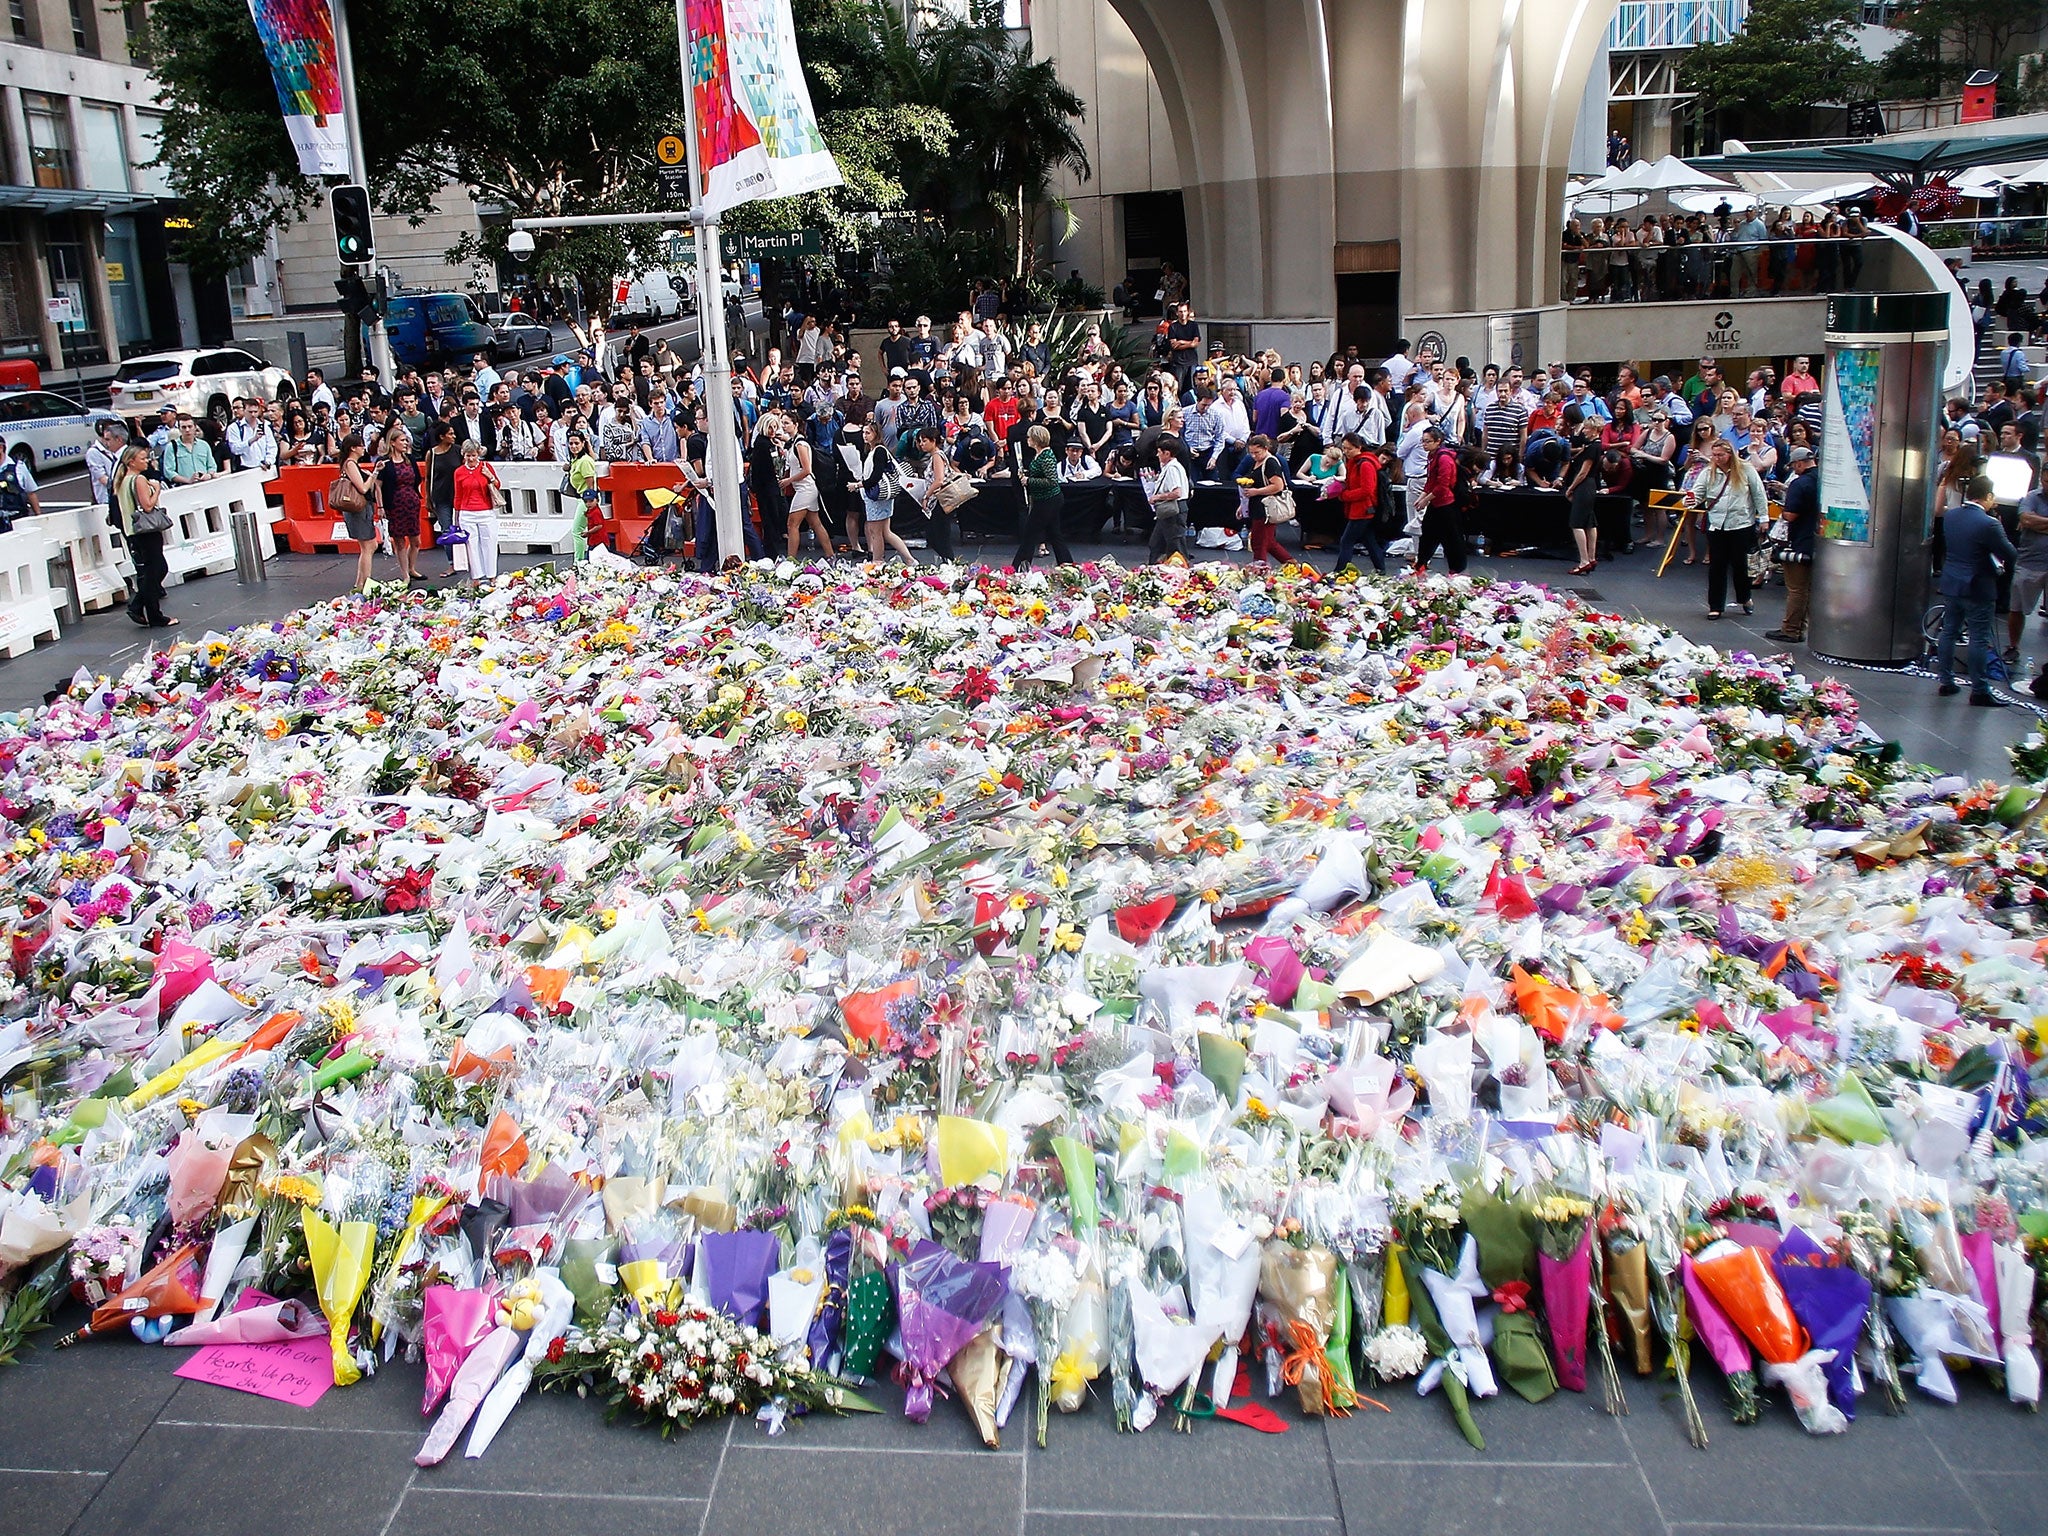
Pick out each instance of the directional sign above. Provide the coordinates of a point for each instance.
(669, 150)
(793, 242)
(675, 184)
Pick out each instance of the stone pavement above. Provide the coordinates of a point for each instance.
(104, 1439)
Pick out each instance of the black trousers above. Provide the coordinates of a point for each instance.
(147, 551)
(1441, 529)
(1727, 554)
(939, 531)
(1042, 526)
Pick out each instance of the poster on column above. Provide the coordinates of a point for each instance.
(1847, 444)
(757, 136)
(298, 40)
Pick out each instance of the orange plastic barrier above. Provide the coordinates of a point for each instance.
(625, 523)
(309, 526)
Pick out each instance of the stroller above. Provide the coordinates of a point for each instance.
(669, 534)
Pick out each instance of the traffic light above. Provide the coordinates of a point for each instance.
(356, 299)
(355, 242)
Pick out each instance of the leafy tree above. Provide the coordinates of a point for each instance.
(546, 107)
(1942, 42)
(1790, 56)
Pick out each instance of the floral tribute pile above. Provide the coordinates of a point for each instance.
(1187, 988)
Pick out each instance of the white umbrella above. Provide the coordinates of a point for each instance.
(2034, 175)
(1669, 174)
(1706, 201)
(1602, 203)
(1817, 197)
(1609, 181)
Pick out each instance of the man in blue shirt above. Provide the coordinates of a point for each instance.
(1976, 546)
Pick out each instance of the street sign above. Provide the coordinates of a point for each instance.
(675, 184)
(759, 247)
(669, 150)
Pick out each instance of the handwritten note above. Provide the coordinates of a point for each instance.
(295, 1371)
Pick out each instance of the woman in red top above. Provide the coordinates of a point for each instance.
(1440, 524)
(476, 510)
(1359, 495)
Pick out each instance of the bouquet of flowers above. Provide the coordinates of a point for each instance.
(1299, 1281)
(1564, 1264)
(675, 1367)
(942, 1301)
(1745, 1286)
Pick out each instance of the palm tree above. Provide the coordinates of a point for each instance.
(1014, 117)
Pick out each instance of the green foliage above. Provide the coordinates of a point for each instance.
(1942, 42)
(545, 107)
(1790, 56)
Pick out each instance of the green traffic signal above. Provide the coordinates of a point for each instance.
(355, 241)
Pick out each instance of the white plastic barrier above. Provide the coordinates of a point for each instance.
(99, 562)
(199, 540)
(537, 515)
(28, 604)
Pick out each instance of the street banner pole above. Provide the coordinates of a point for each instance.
(345, 67)
(722, 446)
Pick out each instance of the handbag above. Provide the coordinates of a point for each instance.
(955, 492)
(344, 497)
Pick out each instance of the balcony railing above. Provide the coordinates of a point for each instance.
(1763, 269)
(1650, 25)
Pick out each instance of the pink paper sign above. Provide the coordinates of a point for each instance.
(295, 1371)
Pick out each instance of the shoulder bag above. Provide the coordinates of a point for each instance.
(343, 496)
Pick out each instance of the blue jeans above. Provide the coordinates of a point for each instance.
(1359, 533)
(1976, 613)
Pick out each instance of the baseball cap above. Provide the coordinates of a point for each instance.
(898, 373)
(1800, 456)
(559, 361)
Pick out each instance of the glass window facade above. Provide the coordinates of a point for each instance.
(49, 140)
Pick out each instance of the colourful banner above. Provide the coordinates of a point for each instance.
(298, 40)
(757, 137)
(1848, 444)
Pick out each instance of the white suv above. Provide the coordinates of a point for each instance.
(195, 382)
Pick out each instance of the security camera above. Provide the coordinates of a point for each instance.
(520, 244)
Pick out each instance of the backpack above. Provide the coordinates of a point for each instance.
(13, 499)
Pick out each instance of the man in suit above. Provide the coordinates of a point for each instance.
(1977, 549)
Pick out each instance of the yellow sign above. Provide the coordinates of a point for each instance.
(116, 272)
(670, 150)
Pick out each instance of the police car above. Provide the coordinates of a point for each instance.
(56, 430)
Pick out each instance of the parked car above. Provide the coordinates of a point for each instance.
(434, 330)
(56, 430)
(515, 335)
(196, 381)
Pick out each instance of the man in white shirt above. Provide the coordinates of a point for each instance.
(1414, 456)
(1237, 425)
(1376, 416)
(1077, 465)
(317, 390)
(486, 377)
(470, 426)
(250, 440)
(103, 457)
(1400, 365)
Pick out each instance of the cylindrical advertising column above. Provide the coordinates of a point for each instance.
(1878, 450)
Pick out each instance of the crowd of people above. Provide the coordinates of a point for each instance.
(1404, 448)
(1721, 254)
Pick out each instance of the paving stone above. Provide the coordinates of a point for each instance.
(564, 1445)
(874, 1493)
(40, 1502)
(201, 1481)
(1403, 1499)
(1218, 1469)
(447, 1512)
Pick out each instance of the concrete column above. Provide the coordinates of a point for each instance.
(1653, 132)
(20, 169)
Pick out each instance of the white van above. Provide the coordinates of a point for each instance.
(650, 297)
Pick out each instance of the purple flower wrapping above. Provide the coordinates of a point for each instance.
(734, 1267)
(942, 1302)
(1830, 1301)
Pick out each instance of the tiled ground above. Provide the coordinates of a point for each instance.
(103, 1439)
